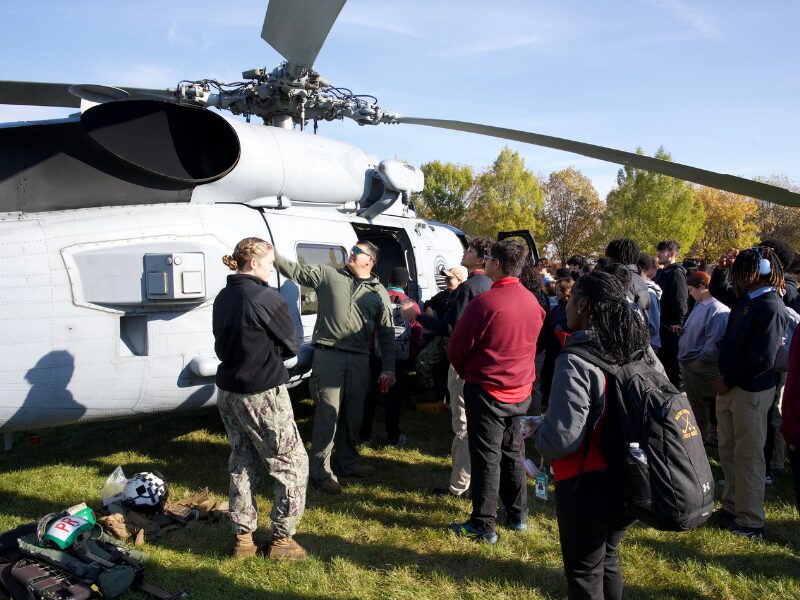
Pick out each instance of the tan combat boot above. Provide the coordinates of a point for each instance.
(286, 548)
(244, 547)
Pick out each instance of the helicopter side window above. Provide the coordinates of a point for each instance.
(317, 254)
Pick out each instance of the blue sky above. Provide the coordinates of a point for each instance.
(716, 82)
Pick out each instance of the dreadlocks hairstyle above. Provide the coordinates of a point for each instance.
(745, 269)
(616, 328)
(624, 251)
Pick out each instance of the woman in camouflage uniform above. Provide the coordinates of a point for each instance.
(253, 335)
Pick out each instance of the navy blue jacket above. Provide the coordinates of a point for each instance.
(755, 330)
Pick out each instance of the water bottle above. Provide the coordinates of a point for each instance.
(637, 452)
(638, 477)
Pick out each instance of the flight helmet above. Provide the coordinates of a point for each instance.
(145, 491)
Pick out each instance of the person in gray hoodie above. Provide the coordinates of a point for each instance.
(698, 351)
(589, 503)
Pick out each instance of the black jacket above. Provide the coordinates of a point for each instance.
(440, 303)
(792, 296)
(675, 294)
(253, 334)
(755, 329)
(476, 284)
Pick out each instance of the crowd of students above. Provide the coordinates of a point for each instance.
(500, 329)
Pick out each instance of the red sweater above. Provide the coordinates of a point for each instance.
(494, 341)
(790, 407)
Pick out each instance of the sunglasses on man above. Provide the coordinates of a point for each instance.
(356, 250)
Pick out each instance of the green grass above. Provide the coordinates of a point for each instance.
(383, 537)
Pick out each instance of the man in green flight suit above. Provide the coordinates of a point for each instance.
(352, 305)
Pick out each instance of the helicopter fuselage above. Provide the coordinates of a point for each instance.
(105, 310)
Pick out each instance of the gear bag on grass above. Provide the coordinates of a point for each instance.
(674, 489)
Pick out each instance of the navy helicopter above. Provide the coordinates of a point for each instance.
(114, 221)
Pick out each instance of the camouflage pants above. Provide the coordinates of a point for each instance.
(264, 440)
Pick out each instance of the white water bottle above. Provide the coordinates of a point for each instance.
(637, 452)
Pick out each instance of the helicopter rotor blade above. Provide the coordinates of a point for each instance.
(730, 183)
(297, 28)
(34, 93)
(98, 93)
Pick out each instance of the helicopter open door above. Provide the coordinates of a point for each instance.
(526, 237)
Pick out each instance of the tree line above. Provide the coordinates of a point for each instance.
(566, 215)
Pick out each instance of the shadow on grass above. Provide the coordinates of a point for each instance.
(216, 586)
(460, 566)
(785, 532)
(27, 508)
(772, 566)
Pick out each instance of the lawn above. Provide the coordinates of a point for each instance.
(383, 537)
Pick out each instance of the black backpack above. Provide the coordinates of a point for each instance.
(674, 489)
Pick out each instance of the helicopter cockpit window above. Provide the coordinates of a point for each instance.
(317, 254)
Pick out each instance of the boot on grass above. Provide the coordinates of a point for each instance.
(285, 548)
(244, 547)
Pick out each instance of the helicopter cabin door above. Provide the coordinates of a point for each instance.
(525, 237)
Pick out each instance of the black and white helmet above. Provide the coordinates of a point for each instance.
(145, 491)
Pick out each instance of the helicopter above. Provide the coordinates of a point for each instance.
(114, 220)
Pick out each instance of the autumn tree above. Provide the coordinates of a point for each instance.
(507, 197)
(650, 207)
(572, 214)
(776, 220)
(447, 193)
(731, 222)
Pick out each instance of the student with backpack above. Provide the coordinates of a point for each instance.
(590, 505)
